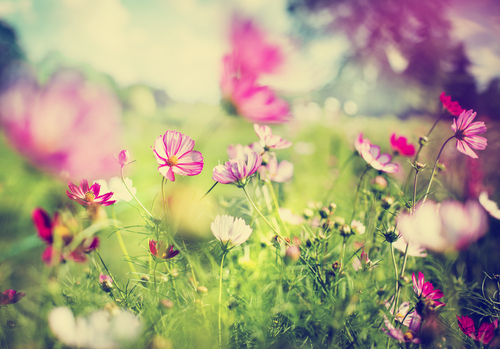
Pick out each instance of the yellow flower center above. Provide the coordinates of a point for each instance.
(172, 161)
(89, 196)
(408, 335)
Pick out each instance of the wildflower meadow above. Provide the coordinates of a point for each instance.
(272, 218)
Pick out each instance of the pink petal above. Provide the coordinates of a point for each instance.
(384, 158)
(475, 128)
(464, 148)
(390, 168)
(84, 186)
(177, 144)
(75, 190)
(43, 224)
(223, 174)
(476, 142)
(160, 150)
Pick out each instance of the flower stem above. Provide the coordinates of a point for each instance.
(395, 272)
(126, 186)
(154, 278)
(209, 190)
(220, 298)
(341, 171)
(122, 245)
(357, 191)
(276, 206)
(434, 169)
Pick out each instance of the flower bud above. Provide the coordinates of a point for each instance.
(390, 235)
(339, 221)
(420, 166)
(324, 212)
(308, 213)
(387, 202)
(292, 255)
(167, 303)
(332, 207)
(423, 140)
(106, 286)
(345, 230)
(202, 289)
(336, 265)
(123, 158)
(379, 183)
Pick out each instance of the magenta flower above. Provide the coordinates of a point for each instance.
(159, 250)
(275, 172)
(371, 154)
(483, 335)
(237, 171)
(86, 196)
(50, 228)
(410, 335)
(268, 140)
(68, 127)
(426, 290)
(453, 107)
(230, 231)
(466, 133)
(123, 158)
(104, 277)
(10, 297)
(174, 153)
(400, 145)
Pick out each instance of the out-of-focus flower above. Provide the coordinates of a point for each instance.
(51, 229)
(292, 254)
(401, 146)
(237, 171)
(483, 335)
(104, 277)
(120, 192)
(371, 154)
(99, 330)
(490, 206)
(123, 158)
(357, 227)
(174, 153)
(275, 172)
(453, 107)
(402, 313)
(414, 249)
(466, 133)
(10, 297)
(268, 140)
(230, 231)
(89, 196)
(287, 216)
(64, 126)
(379, 183)
(411, 335)
(448, 225)
(425, 290)
(159, 249)
(362, 262)
(239, 151)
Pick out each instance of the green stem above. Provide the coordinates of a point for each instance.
(209, 190)
(395, 272)
(341, 171)
(220, 299)
(357, 191)
(428, 134)
(109, 273)
(122, 245)
(434, 169)
(154, 278)
(126, 186)
(276, 206)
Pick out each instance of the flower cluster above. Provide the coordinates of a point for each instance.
(485, 332)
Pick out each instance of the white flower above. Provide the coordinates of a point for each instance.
(358, 227)
(120, 192)
(230, 231)
(490, 206)
(99, 330)
(287, 216)
(414, 249)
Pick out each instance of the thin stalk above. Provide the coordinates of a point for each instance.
(220, 299)
(209, 190)
(109, 273)
(428, 134)
(434, 169)
(126, 186)
(276, 206)
(341, 171)
(395, 272)
(342, 255)
(122, 245)
(173, 282)
(357, 191)
(154, 278)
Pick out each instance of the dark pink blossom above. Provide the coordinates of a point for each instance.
(237, 171)
(466, 133)
(453, 107)
(159, 249)
(426, 290)
(10, 297)
(174, 153)
(68, 127)
(89, 196)
(400, 145)
(483, 335)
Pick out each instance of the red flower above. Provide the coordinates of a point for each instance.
(10, 297)
(426, 290)
(484, 334)
(467, 133)
(159, 250)
(400, 145)
(453, 107)
(86, 196)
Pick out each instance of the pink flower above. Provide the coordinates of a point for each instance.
(275, 172)
(230, 231)
(10, 297)
(402, 313)
(159, 249)
(360, 263)
(48, 229)
(251, 49)
(414, 249)
(371, 154)
(450, 224)
(238, 151)
(268, 140)
(466, 133)
(237, 171)
(103, 277)
(426, 290)
(400, 145)
(123, 158)
(69, 127)
(86, 196)
(361, 144)
(490, 206)
(453, 107)
(174, 153)
(484, 334)
(411, 335)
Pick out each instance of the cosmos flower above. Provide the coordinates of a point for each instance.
(401, 146)
(10, 297)
(230, 231)
(268, 140)
(449, 225)
(238, 151)
(410, 335)
(483, 335)
(357, 227)
(275, 172)
(371, 154)
(159, 249)
(402, 313)
(68, 127)
(237, 171)
(89, 196)
(425, 290)
(490, 206)
(414, 249)
(360, 263)
(466, 133)
(453, 107)
(174, 153)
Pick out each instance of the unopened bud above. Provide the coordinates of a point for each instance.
(123, 158)
(324, 212)
(292, 255)
(202, 289)
(167, 303)
(420, 166)
(441, 166)
(308, 213)
(387, 202)
(332, 207)
(336, 265)
(390, 235)
(423, 140)
(345, 230)
(106, 286)
(379, 183)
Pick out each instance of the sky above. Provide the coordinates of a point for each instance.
(177, 45)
